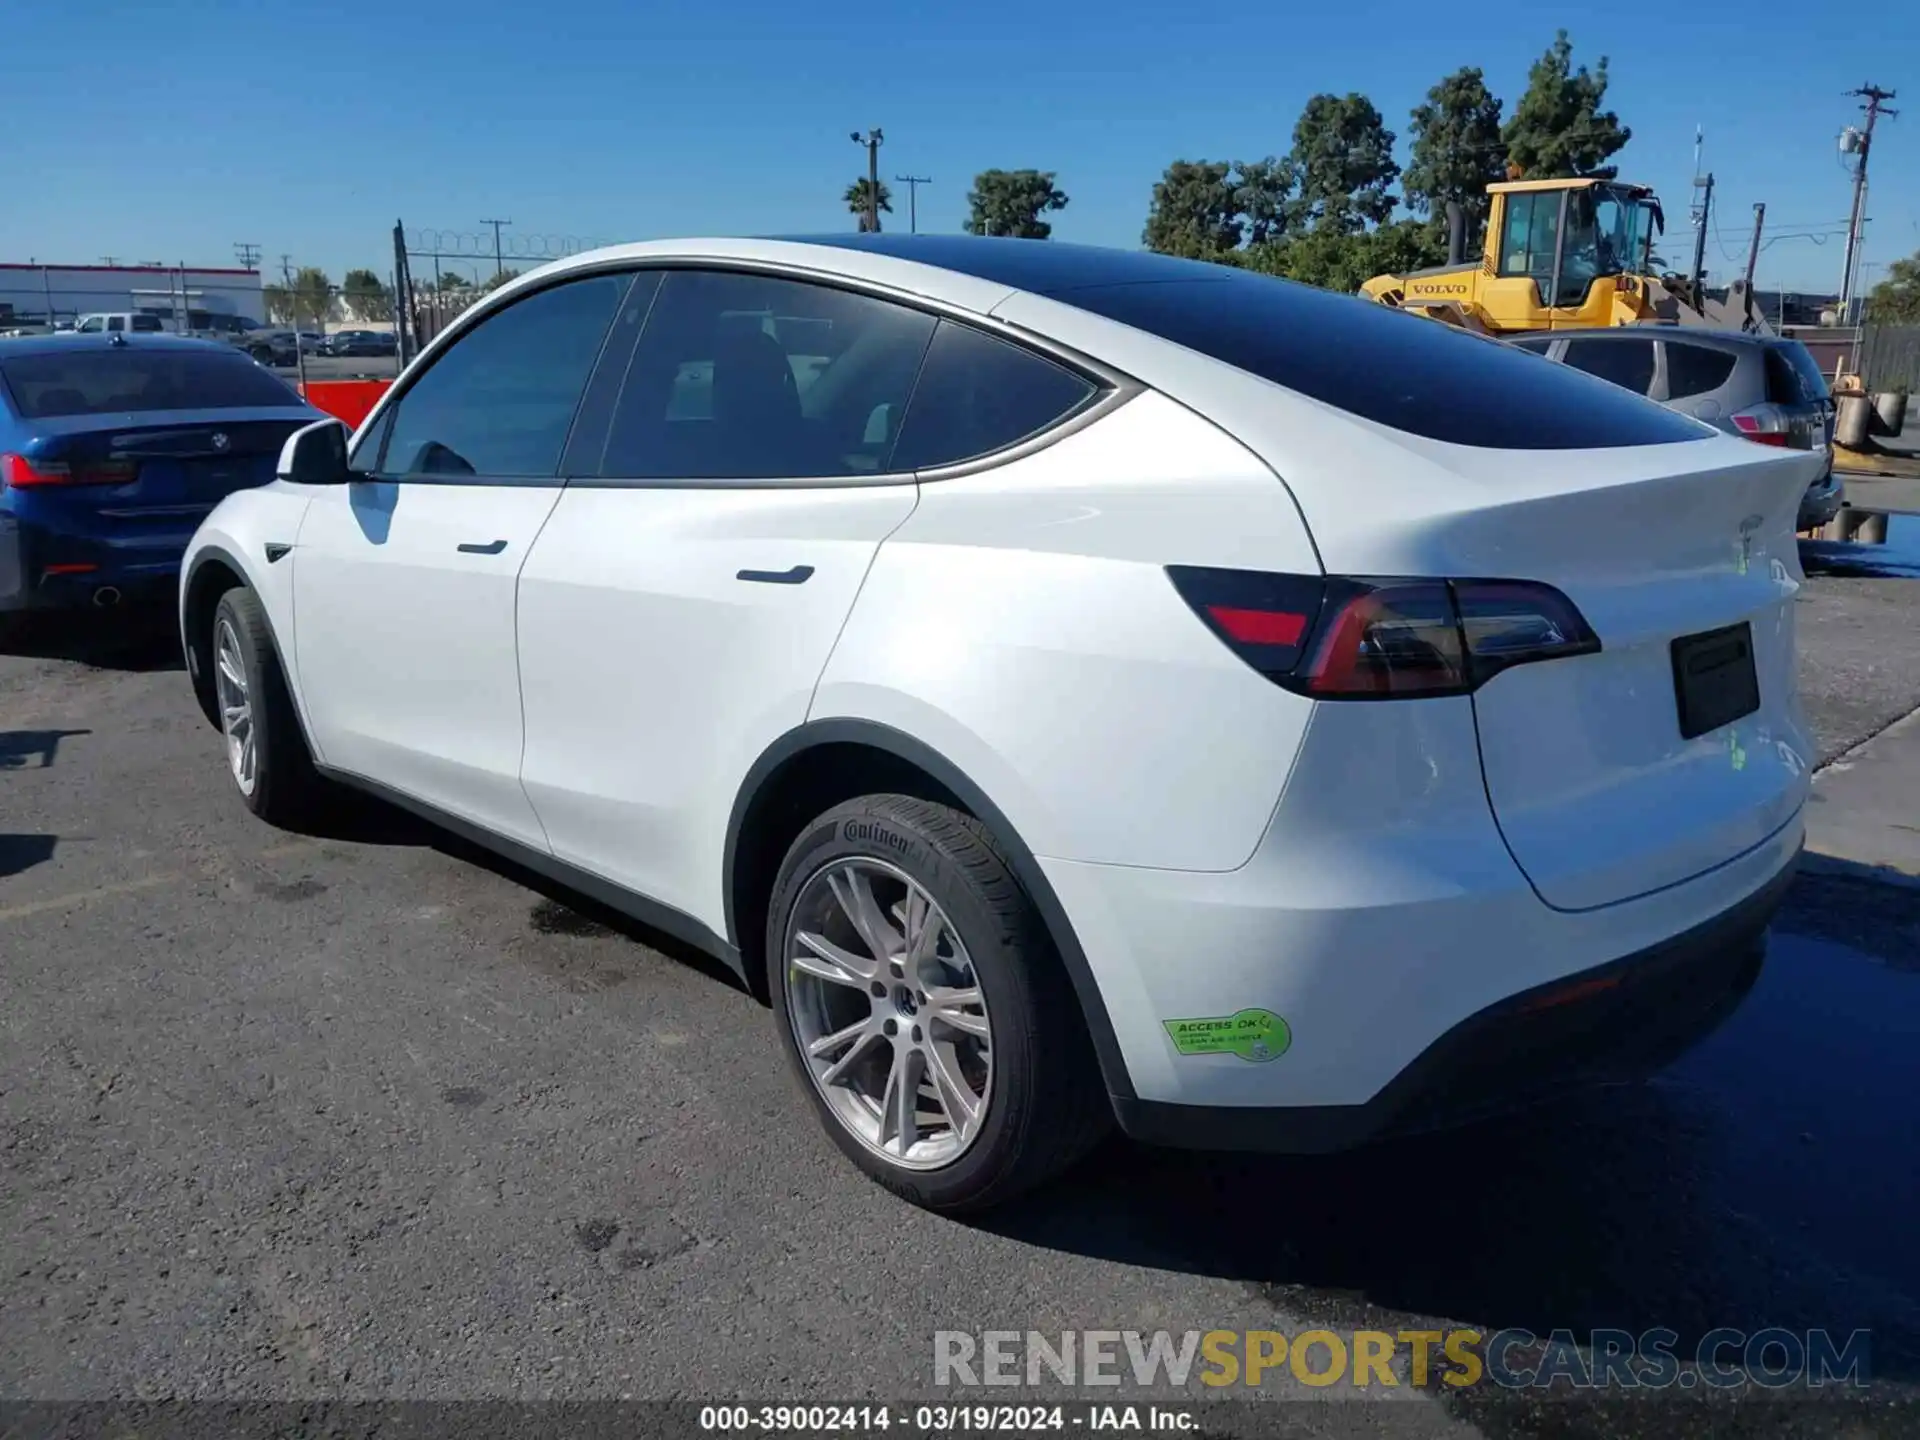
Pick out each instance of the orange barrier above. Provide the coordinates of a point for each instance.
(348, 400)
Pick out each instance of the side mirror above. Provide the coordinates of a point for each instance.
(315, 455)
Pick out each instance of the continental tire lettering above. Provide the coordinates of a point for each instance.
(869, 833)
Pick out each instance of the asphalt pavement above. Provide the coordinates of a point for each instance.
(368, 1114)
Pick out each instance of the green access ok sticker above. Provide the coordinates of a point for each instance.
(1251, 1034)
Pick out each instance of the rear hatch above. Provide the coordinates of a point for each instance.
(1680, 744)
(1795, 384)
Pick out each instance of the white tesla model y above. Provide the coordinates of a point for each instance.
(1071, 686)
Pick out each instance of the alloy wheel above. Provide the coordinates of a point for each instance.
(888, 1012)
(236, 707)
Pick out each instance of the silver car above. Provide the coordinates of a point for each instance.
(1764, 387)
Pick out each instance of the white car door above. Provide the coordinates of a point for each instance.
(404, 580)
(685, 596)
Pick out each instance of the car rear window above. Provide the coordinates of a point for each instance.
(115, 382)
(1413, 374)
(1696, 369)
(1793, 375)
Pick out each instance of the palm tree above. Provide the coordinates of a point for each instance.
(856, 198)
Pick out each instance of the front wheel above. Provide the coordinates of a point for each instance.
(924, 1008)
(266, 753)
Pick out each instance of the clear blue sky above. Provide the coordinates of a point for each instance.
(168, 129)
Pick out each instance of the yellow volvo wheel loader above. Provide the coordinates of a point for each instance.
(1561, 255)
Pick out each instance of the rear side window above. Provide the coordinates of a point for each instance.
(147, 324)
(754, 377)
(129, 381)
(1793, 375)
(1626, 363)
(1694, 369)
(1394, 369)
(500, 399)
(977, 394)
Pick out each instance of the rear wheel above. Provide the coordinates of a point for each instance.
(922, 1005)
(266, 753)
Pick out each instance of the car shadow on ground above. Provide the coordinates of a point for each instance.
(23, 852)
(32, 749)
(127, 637)
(1853, 561)
(1763, 1181)
(554, 908)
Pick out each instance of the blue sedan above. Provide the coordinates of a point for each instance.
(112, 449)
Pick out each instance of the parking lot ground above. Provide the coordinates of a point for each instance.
(366, 1114)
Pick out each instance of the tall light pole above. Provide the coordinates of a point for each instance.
(873, 139)
(913, 184)
(499, 262)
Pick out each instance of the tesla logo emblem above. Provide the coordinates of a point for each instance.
(220, 441)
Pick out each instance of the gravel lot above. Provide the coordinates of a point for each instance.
(367, 1115)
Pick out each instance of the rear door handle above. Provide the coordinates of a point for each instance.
(798, 575)
(473, 548)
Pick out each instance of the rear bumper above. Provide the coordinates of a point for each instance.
(152, 567)
(1620, 1021)
(1822, 502)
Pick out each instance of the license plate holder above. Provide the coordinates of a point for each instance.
(1714, 680)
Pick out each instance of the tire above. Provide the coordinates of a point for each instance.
(281, 785)
(1039, 1105)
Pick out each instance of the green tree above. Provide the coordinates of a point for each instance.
(1896, 299)
(1260, 190)
(1195, 211)
(366, 295)
(1011, 202)
(1558, 129)
(312, 295)
(451, 282)
(1343, 159)
(500, 277)
(1457, 150)
(279, 302)
(856, 198)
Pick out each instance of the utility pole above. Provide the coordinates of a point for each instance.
(499, 262)
(873, 140)
(1873, 95)
(247, 253)
(913, 184)
(293, 310)
(1753, 250)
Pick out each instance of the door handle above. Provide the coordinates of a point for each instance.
(798, 575)
(474, 548)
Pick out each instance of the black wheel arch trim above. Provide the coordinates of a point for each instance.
(1026, 870)
(226, 557)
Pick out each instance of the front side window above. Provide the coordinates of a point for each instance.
(978, 394)
(500, 400)
(750, 377)
(1627, 363)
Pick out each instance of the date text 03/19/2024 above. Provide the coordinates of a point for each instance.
(942, 1418)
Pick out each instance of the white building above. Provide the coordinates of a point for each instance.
(32, 293)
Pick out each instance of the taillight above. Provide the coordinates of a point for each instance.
(20, 473)
(1764, 427)
(1378, 639)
